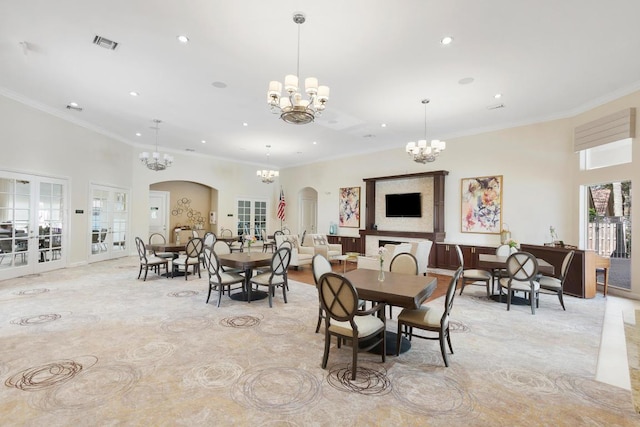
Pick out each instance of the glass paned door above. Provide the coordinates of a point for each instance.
(32, 224)
(109, 222)
(252, 217)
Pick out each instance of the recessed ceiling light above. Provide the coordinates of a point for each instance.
(314, 143)
(245, 124)
(383, 125)
(203, 141)
(446, 40)
(134, 93)
(138, 134)
(219, 85)
(497, 96)
(183, 39)
(73, 104)
(465, 81)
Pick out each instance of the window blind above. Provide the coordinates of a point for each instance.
(611, 128)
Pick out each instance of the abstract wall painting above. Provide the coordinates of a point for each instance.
(349, 207)
(481, 205)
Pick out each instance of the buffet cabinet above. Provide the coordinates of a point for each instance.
(349, 243)
(447, 256)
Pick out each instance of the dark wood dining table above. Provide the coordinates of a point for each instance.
(247, 261)
(495, 263)
(165, 247)
(401, 290)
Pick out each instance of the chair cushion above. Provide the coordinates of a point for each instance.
(228, 278)
(263, 279)
(548, 282)
(425, 316)
(293, 239)
(473, 274)
(517, 285)
(156, 260)
(183, 261)
(367, 325)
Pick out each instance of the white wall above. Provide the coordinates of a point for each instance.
(541, 187)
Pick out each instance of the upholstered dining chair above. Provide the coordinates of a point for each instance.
(499, 273)
(554, 284)
(275, 277)
(149, 261)
(208, 240)
(191, 258)
(220, 247)
(218, 279)
(319, 265)
(472, 275)
(266, 242)
(339, 300)
(522, 268)
(157, 238)
(404, 263)
(431, 319)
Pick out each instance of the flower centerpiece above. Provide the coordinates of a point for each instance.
(249, 238)
(381, 253)
(512, 243)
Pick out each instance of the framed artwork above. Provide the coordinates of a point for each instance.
(481, 207)
(349, 207)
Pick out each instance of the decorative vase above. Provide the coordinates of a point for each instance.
(381, 275)
(249, 248)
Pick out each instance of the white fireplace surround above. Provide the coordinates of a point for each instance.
(372, 242)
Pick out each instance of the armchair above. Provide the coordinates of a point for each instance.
(300, 255)
(321, 246)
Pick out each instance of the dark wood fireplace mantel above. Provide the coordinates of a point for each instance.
(438, 233)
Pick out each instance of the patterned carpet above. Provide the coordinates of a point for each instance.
(94, 346)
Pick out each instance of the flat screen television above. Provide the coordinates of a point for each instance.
(406, 205)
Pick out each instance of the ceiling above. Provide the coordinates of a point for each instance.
(548, 58)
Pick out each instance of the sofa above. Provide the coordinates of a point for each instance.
(300, 255)
(321, 246)
(421, 250)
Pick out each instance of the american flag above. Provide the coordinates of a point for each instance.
(281, 205)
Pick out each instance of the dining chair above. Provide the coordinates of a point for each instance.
(472, 275)
(522, 268)
(193, 250)
(219, 279)
(404, 263)
(319, 265)
(554, 284)
(275, 277)
(157, 238)
(339, 300)
(430, 319)
(147, 262)
(220, 247)
(266, 243)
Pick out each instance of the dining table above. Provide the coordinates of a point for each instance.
(247, 261)
(398, 289)
(495, 263)
(176, 248)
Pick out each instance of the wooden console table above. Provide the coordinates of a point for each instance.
(581, 278)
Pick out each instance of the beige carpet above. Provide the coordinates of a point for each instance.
(94, 346)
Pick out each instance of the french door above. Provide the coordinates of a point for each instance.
(252, 217)
(109, 222)
(33, 224)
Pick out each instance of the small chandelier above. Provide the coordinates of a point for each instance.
(154, 161)
(424, 152)
(292, 108)
(267, 176)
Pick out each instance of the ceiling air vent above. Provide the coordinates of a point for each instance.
(495, 106)
(105, 43)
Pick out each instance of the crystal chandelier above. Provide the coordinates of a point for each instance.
(292, 108)
(267, 176)
(424, 151)
(155, 161)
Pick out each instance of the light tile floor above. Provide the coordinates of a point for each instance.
(613, 367)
